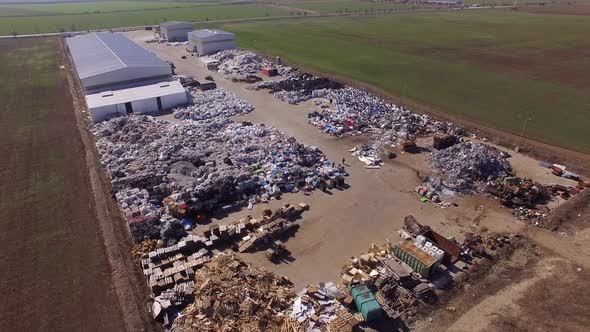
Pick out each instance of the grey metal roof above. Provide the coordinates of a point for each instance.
(210, 34)
(103, 52)
(177, 24)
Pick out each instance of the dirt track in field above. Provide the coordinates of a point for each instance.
(57, 274)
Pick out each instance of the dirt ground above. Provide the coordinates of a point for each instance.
(344, 223)
(536, 290)
(55, 275)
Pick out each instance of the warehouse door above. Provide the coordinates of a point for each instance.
(128, 108)
(159, 100)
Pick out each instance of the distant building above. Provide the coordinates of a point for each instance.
(176, 31)
(108, 61)
(120, 77)
(207, 41)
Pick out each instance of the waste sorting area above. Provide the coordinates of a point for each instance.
(172, 174)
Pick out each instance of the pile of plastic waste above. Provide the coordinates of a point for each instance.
(209, 164)
(241, 63)
(468, 166)
(213, 104)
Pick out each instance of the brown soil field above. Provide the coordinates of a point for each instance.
(533, 290)
(57, 274)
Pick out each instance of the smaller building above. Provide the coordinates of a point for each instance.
(176, 31)
(141, 100)
(209, 41)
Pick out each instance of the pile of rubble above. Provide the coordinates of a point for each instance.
(532, 216)
(317, 306)
(241, 63)
(217, 103)
(466, 166)
(231, 295)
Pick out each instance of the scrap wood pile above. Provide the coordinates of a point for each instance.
(231, 295)
(213, 104)
(467, 166)
(241, 63)
(203, 165)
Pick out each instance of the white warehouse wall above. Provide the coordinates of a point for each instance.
(206, 48)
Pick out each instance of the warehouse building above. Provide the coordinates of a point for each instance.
(108, 61)
(208, 41)
(176, 31)
(146, 99)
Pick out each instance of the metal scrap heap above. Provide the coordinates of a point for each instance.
(466, 166)
(231, 295)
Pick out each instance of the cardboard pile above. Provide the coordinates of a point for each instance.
(231, 295)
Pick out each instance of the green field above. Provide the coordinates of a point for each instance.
(490, 67)
(93, 7)
(349, 6)
(70, 22)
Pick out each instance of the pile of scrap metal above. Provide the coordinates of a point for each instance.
(316, 306)
(231, 295)
(483, 245)
(518, 192)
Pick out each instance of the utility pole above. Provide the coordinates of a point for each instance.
(526, 121)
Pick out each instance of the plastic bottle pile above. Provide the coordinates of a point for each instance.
(213, 104)
(465, 167)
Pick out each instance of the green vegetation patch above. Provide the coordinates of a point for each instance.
(491, 67)
(57, 23)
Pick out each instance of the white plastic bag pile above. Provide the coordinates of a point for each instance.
(238, 62)
(466, 167)
(213, 104)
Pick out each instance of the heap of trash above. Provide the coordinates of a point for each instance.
(213, 104)
(206, 165)
(467, 166)
(241, 63)
(231, 295)
(299, 87)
